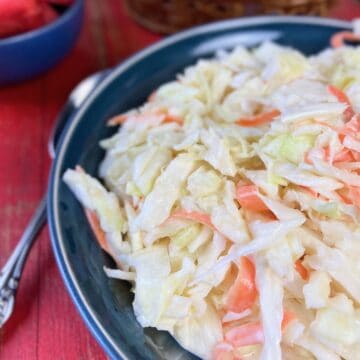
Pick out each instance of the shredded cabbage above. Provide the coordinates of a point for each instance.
(231, 202)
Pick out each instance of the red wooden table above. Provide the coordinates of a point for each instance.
(45, 324)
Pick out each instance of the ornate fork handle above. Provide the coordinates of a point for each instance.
(11, 272)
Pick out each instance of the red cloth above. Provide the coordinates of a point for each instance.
(45, 324)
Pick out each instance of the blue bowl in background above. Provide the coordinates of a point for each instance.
(26, 55)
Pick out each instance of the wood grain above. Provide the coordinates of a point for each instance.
(45, 324)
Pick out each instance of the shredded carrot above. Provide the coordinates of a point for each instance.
(355, 155)
(252, 334)
(339, 38)
(152, 96)
(243, 292)
(172, 118)
(248, 198)
(339, 94)
(326, 153)
(118, 120)
(344, 195)
(352, 127)
(96, 228)
(193, 215)
(223, 351)
(268, 216)
(288, 317)
(354, 195)
(167, 118)
(79, 169)
(260, 119)
(345, 155)
(301, 269)
(94, 221)
(309, 190)
(307, 158)
(343, 98)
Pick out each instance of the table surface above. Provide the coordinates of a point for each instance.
(45, 324)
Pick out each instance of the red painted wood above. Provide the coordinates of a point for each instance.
(45, 324)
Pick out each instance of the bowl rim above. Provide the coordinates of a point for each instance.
(62, 259)
(59, 22)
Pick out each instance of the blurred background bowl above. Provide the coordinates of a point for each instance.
(24, 56)
(169, 16)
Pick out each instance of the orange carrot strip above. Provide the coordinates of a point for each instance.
(193, 215)
(349, 129)
(243, 292)
(252, 334)
(339, 94)
(172, 118)
(248, 198)
(352, 127)
(152, 96)
(301, 269)
(258, 119)
(344, 195)
(339, 38)
(307, 158)
(96, 228)
(343, 98)
(355, 155)
(288, 317)
(326, 153)
(117, 120)
(345, 155)
(354, 195)
(94, 221)
(120, 119)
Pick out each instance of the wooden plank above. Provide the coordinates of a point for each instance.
(20, 189)
(45, 324)
(62, 333)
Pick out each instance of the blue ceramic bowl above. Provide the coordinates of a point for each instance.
(105, 304)
(27, 55)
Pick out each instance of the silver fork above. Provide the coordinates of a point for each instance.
(11, 272)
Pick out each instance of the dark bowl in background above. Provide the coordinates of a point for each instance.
(26, 55)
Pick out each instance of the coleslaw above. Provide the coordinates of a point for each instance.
(230, 200)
